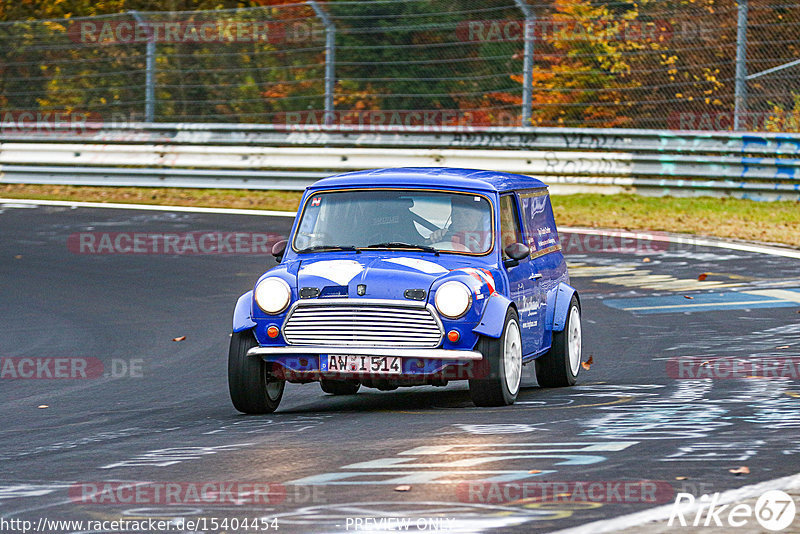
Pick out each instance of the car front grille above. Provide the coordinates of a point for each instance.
(363, 324)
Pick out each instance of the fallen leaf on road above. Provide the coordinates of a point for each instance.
(403, 488)
(702, 276)
(18, 257)
(179, 338)
(707, 362)
(588, 363)
(534, 471)
(743, 470)
(783, 347)
(681, 478)
(688, 297)
(645, 260)
(42, 406)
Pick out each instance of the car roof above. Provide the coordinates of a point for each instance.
(472, 179)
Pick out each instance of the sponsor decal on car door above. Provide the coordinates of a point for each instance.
(523, 281)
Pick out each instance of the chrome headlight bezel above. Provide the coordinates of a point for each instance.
(273, 295)
(453, 299)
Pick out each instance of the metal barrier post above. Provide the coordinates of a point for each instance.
(150, 71)
(740, 98)
(330, 59)
(527, 65)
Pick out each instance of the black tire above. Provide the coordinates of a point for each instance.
(560, 366)
(252, 390)
(339, 387)
(492, 388)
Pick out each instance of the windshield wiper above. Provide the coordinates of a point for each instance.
(316, 248)
(400, 244)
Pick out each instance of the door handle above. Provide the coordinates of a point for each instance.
(536, 276)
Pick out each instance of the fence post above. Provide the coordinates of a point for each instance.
(527, 64)
(150, 71)
(330, 59)
(740, 98)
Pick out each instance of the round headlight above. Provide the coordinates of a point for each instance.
(273, 295)
(453, 299)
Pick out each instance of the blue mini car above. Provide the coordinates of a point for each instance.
(406, 277)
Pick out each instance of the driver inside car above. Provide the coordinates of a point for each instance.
(467, 228)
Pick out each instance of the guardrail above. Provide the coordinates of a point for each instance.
(761, 166)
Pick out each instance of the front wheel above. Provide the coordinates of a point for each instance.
(559, 367)
(252, 389)
(502, 365)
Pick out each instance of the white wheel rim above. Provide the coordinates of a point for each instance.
(512, 357)
(273, 390)
(574, 340)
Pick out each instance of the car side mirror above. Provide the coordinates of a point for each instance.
(516, 252)
(279, 248)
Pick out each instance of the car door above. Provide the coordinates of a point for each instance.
(546, 259)
(523, 281)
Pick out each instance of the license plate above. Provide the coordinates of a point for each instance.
(348, 363)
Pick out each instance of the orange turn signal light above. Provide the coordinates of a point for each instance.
(453, 336)
(273, 331)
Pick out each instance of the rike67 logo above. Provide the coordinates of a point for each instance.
(774, 511)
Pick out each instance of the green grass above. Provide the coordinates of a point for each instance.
(774, 222)
(211, 198)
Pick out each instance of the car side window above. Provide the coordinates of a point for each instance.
(509, 223)
(537, 215)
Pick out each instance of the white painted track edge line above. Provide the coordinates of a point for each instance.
(150, 207)
(662, 513)
(644, 235)
(687, 239)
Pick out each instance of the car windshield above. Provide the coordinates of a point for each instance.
(396, 219)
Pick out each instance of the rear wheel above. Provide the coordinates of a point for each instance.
(502, 365)
(251, 387)
(560, 366)
(339, 387)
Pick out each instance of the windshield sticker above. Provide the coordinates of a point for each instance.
(338, 271)
(316, 201)
(378, 221)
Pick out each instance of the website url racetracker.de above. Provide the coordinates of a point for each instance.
(133, 526)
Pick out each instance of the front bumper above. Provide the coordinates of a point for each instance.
(433, 354)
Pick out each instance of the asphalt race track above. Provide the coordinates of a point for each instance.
(657, 412)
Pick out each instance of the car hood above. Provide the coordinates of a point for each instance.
(385, 277)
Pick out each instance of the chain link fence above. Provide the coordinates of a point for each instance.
(637, 64)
